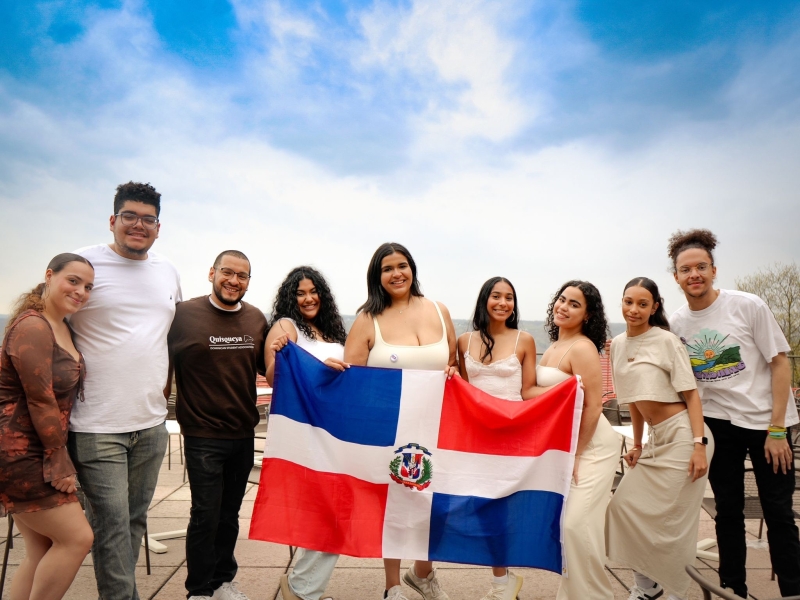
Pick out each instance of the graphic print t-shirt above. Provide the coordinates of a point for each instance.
(216, 355)
(731, 344)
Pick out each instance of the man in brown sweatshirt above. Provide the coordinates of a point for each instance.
(216, 345)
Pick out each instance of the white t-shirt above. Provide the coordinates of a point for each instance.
(122, 334)
(731, 344)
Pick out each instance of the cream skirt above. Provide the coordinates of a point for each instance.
(652, 520)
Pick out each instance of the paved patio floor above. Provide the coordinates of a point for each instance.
(261, 564)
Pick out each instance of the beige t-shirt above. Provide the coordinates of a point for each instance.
(659, 370)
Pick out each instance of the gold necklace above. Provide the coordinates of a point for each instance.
(632, 358)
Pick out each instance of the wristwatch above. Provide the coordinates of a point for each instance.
(701, 440)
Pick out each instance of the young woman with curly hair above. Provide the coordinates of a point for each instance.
(41, 377)
(652, 520)
(305, 312)
(578, 329)
(499, 359)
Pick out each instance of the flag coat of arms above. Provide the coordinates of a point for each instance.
(394, 463)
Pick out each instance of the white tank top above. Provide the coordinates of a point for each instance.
(317, 348)
(547, 376)
(430, 357)
(501, 378)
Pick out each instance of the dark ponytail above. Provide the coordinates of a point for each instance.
(658, 318)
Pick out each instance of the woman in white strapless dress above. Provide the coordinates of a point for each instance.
(499, 359)
(398, 328)
(305, 312)
(577, 325)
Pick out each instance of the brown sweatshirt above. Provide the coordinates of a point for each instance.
(216, 355)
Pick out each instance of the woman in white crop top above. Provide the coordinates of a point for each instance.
(305, 312)
(399, 328)
(500, 360)
(577, 325)
(652, 520)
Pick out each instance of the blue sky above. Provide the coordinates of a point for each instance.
(542, 141)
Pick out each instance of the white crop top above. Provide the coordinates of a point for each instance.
(429, 357)
(501, 378)
(317, 348)
(652, 366)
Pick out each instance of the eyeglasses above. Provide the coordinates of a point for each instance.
(130, 219)
(229, 273)
(701, 268)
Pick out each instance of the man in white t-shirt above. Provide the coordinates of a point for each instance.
(739, 358)
(117, 435)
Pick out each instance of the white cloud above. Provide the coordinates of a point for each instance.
(457, 43)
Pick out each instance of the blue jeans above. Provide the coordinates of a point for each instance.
(118, 473)
(218, 471)
(311, 573)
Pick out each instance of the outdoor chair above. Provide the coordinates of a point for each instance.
(708, 587)
(9, 545)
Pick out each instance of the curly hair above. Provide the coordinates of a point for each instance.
(481, 319)
(328, 320)
(34, 299)
(658, 318)
(378, 299)
(694, 238)
(137, 192)
(595, 327)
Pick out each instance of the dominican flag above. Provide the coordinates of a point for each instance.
(404, 464)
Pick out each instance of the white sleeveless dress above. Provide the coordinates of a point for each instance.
(501, 378)
(584, 517)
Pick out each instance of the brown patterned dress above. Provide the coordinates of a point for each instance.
(39, 382)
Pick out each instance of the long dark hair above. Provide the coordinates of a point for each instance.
(595, 327)
(328, 320)
(481, 318)
(35, 298)
(658, 318)
(378, 299)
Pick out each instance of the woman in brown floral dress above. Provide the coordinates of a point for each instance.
(41, 375)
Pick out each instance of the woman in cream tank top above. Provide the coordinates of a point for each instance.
(305, 313)
(577, 325)
(398, 328)
(499, 359)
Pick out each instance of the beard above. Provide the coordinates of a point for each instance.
(218, 295)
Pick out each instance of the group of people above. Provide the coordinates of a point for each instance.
(88, 359)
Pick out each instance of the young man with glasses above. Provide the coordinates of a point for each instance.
(117, 435)
(216, 345)
(739, 358)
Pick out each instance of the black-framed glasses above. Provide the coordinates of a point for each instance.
(229, 273)
(130, 219)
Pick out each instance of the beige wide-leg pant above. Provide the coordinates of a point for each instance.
(585, 517)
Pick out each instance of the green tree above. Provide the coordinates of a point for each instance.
(779, 286)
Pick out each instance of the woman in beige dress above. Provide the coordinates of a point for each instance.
(398, 328)
(652, 520)
(578, 329)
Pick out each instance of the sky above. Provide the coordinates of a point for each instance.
(540, 141)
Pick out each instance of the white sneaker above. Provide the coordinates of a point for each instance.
(228, 591)
(395, 593)
(505, 591)
(652, 593)
(201, 597)
(428, 587)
